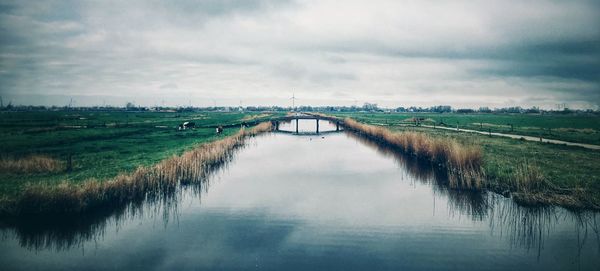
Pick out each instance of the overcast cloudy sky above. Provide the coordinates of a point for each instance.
(394, 53)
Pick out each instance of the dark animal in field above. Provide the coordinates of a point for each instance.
(186, 125)
(220, 130)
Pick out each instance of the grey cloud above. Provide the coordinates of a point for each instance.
(539, 51)
(168, 86)
(311, 73)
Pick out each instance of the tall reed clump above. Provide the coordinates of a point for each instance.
(529, 178)
(30, 164)
(145, 183)
(531, 187)
(462, 162)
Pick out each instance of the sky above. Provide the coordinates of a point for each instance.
(394, 53)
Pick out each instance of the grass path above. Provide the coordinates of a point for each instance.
(522, 137)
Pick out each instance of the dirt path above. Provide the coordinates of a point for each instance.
(528, 138)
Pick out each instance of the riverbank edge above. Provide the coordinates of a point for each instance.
(544, 194)
(150, 182)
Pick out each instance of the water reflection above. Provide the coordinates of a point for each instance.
(524, 226)
(527, 227)
(338, 195)
(65, 232)
(471, 203)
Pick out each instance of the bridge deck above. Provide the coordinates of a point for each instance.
(299, 118)
(308, 133)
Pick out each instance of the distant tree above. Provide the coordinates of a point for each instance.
(567, 111)
(415, 109)
(130, 106)
(514, 109)
(465, 110)
(485, 109)
(369, 107)
(441, 109)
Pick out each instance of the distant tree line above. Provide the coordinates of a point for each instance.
(366, 107)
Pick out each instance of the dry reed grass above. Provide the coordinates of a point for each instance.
(532, 188)
(145, 183)
(464, 166)
(462, 162)
(30, 164)
(529, 178)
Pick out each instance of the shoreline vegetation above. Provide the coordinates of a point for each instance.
(145, 183)
(463, 163)
(575, 128)
(467, 168)
(469, 161)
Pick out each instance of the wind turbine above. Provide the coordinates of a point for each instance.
(293, 102)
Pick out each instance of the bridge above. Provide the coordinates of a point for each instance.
(289, 118)
(317, 118)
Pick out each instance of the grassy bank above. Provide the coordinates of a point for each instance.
(101, 144)
(583, 128)
(532, 172)
(145, 183)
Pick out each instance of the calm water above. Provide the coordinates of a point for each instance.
(328, 202)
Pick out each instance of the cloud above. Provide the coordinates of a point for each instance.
(466, 53)
(168, 86)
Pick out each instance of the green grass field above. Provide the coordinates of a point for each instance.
(102, 144)
(563, 166)
(573, 128)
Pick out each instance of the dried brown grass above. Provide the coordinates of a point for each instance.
(31, 164)
(529, 178)
(532, 188)
(145, 183)
(462, 162)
